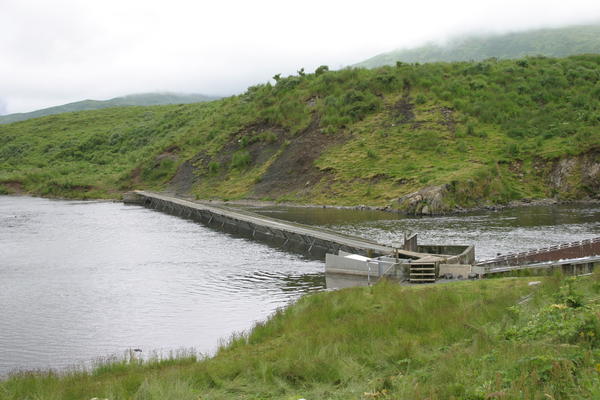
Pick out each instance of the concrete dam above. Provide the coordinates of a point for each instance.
(413, 262)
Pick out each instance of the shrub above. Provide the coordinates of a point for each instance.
(385, 81)
(268, 137)
(372, 154)
(159, 171)
(359, 104)
(515, 133)
(523, 63)
(512, 150)
(213, 167)
(240, 159)
(288, 83)
(244, 141)
(321, 70)
(568, 295)
(353, 106)
(470, 129)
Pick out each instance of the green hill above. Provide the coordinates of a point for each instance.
(490, 339)
(142, 99)
(421, 138)
(558, 42)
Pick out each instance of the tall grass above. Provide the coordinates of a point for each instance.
(454, 341)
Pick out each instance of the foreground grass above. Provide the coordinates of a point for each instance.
(468, 340)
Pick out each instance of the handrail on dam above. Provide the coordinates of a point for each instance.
(572, 250)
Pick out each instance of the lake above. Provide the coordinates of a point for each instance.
(81, 281)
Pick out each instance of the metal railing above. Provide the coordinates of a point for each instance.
(583, 248)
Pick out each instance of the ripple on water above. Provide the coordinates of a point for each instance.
(83, 280)
(509, 230)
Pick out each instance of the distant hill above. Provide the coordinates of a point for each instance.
(142, 99)
(558, 42)
(425, 138)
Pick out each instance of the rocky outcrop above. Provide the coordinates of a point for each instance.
(427, 201)
(576, 177)
(569, 178)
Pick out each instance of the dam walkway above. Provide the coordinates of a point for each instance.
(302, 238)
(342, 253)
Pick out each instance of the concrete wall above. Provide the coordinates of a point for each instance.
(466, 257)
(297, 238)
(461, 254)
(410, 243)
(304, 244)
(341, 281)
(455, 270)
(132, 198)
(340, 264)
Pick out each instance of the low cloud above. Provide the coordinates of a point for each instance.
(66, 50)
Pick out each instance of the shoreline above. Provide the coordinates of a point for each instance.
(450, 321)
(360, 207)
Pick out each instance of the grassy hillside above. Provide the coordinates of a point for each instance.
(494, 339)
(469, 133)
(142, 99)
(557, 42)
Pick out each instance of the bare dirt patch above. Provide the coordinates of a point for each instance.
(136, 178)
(448, 119)
(253, 139)
(260, 149)
(184, 178)
(14, 187)
(402, 111)
(294, 170)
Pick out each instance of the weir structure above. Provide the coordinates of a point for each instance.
(350, 255)
(413, 262)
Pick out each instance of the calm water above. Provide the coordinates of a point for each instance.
(82, 280)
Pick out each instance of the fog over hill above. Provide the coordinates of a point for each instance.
(554, 42)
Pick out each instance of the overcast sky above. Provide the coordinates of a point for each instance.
(54, 52)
